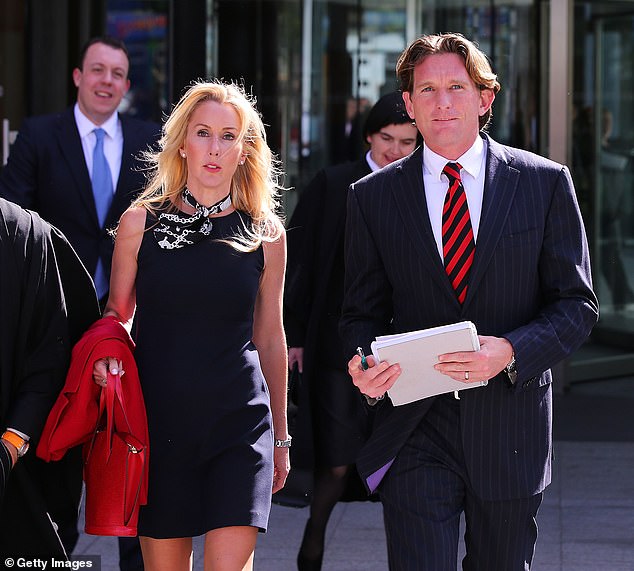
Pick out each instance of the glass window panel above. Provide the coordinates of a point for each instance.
(508, 33)
(143, 26)
(354, 49)
(603, 155)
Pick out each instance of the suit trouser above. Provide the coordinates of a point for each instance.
(426, 490)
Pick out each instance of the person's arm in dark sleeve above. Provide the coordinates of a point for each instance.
(41, 369)
(570, 307)
(367, 303)
(303, 237)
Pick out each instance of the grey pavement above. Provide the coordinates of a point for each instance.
(586, 522)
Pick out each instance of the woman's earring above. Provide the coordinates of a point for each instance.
(183, 154)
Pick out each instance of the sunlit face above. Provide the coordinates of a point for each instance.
(102, 82)
(392, 142)
(446, 104)
(212, 147)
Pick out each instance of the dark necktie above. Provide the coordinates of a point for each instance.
(458, 244)
(102, 191)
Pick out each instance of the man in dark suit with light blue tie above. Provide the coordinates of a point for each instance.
(464, 229)
(80, 169)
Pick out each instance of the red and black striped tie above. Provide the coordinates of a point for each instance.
(458, 244)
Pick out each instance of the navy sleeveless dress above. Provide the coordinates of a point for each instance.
(208, 408)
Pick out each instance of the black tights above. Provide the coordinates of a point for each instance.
(330, 483)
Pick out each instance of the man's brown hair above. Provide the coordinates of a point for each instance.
(476, 62)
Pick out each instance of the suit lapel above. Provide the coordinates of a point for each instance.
(409, 195)
(73, 152)
(499, 189)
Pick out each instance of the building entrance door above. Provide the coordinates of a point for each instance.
(12, 71)
(614, 157)
(603, 163)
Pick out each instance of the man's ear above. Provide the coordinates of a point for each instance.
(486, 100)
(76, 76)
(408, 105)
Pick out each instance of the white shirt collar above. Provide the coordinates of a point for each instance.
(373, 165)
(85, 126)
(471, 161)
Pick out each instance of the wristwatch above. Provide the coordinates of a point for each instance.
(373, 401)
(283, 443)
(20, 442)
(511, 370)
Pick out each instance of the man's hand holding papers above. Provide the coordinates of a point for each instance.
(493, 356)
(424, 365)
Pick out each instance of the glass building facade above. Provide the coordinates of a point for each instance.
(566, 69)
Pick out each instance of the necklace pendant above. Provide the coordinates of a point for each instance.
(206, 227)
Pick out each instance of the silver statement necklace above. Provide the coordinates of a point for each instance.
(178, 230)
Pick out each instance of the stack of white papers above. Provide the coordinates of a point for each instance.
(417, 353)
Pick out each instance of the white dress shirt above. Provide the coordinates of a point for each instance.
(436, 183)
(112, 143)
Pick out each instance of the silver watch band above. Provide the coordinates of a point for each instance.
(283, 443)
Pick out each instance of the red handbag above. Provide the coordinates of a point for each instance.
(114, 466)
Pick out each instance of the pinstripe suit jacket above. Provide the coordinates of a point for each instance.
(530, 282)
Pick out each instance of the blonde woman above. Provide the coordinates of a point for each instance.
(200, 256)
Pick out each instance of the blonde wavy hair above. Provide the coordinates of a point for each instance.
(255, 186)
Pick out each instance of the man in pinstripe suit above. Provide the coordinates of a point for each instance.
(527, 288)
